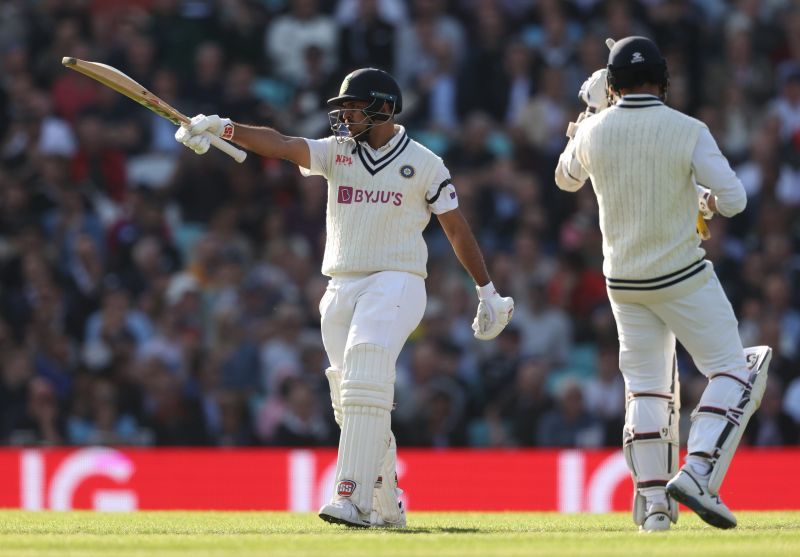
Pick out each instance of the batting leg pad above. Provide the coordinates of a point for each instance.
(385, 499)
(727, 404)
(335, 381)
(367, 393)
(650, 444)
(385, 495)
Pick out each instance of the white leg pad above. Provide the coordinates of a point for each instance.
(367, 393)
(650, 445)
(727, 404)
(386, 499)
(335, 381)
(386, 502)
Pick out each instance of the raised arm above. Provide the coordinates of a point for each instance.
(570, 174)
(264, 141)
(268, 142)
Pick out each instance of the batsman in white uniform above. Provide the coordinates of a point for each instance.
(382, 188)
(647, 163)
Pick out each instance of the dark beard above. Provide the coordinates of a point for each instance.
(361, 136)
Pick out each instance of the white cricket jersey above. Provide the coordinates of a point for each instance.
(639, 155)
(379, 202)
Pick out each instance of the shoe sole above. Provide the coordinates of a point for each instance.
(714, 519)
(337, 520)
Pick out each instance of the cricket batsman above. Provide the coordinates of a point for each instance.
(652, 168)
(382, 189)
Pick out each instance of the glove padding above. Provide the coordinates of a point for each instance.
(703, 194)
(193, 135)
(593, 91)
(494, 313)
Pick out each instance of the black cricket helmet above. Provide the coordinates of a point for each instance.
(371, 85)
(634, 61)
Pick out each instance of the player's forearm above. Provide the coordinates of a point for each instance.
(470, 256)
(465, 246)
(268, 142)
(713, 171)
(570, 175)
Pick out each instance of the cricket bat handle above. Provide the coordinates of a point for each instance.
(231, 150)
(702, 227)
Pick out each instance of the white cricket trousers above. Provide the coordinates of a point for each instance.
(380, 308)
(704, 323)
(365, 322)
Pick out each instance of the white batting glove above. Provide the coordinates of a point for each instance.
(494, 313)
(193, 135)
(593, 91)
(703, 194)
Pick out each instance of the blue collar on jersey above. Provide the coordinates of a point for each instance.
(375, 160)
(639, 101)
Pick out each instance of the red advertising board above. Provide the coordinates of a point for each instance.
(301, 480)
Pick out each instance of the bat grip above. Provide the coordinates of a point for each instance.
(702, 228)
(232, 151)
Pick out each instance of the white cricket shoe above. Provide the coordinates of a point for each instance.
(657, 519)
(343, 511)
(397, 521)
(691, 489)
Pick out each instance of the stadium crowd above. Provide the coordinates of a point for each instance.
(154, 297)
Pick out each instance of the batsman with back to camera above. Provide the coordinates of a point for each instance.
(382, 188)
(645, 161)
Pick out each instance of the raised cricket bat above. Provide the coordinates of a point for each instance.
(121, 83)
(702, 227)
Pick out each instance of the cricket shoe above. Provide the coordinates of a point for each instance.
(343, 511)
(657, 519)
(691, 489)
(398, 520)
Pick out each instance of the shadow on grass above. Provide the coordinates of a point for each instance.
(442, 530)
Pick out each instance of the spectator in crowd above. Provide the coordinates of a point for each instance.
(301, 424)
(103, 423)
(569, 424)
(288, 36)
(772, 426)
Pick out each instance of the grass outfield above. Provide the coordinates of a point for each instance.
(153, 534)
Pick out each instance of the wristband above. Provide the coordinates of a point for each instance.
(486, 291)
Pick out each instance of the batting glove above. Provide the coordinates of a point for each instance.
(194, 134)
(702, 196)
(593, 91)
(494, 313)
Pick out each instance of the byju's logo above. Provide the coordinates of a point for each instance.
(345, 194)
(348, 195)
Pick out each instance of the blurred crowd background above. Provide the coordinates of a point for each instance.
(150, 296)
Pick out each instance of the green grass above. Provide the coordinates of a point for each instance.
(153, 534)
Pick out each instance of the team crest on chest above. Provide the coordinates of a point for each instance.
(407, 171)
